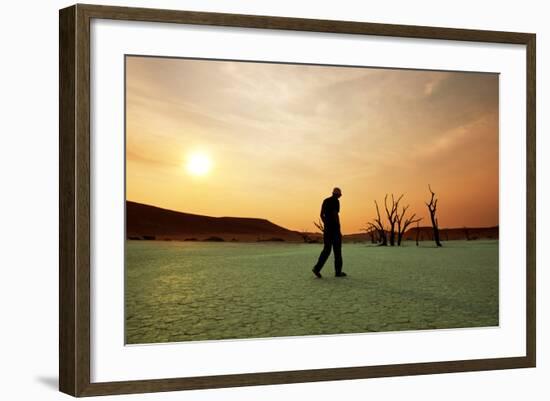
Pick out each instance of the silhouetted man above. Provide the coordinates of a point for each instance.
(332, 237)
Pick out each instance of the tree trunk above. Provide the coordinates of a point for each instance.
(383, 238)
(392, 215)
(435, 229)
(432, 207)
(404, 222)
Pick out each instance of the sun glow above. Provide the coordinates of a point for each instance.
(198, 164)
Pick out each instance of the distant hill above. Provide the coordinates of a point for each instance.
(151, 222)
(467, 233)
(424, 234)
(445, 234)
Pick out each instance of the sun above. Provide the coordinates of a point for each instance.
(198, 164)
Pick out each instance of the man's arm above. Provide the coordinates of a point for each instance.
(324, 211)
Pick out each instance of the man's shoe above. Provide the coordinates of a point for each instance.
(317, 274)
(341, 274)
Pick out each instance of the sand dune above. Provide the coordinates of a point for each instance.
(150, 222)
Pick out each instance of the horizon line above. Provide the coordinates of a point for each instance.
(298, 231)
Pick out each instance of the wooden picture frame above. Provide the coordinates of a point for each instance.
(74, 200)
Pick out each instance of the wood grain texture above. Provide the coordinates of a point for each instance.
(531, 228)
(67, 290)
(300, 376)
(74, 199)
(82, 200)
(301, 24)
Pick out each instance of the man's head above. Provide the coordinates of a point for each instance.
(336, 192)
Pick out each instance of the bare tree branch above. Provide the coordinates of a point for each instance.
(379, 226)
(403, 223)
(392, 215)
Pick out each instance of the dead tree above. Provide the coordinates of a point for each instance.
(371, 231)
(305, 236)
(392, 215)
(377, 236)
(404, 222)
(417, 230)
(432, 207)
(379, 227)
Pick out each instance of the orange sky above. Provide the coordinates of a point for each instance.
(281, 136)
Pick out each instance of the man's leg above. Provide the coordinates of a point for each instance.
(324, 253)
(337, 246)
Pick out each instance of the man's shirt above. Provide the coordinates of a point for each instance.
(329, 213)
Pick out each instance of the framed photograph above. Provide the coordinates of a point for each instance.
(249, 200)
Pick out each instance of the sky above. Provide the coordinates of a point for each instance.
(271, 140)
